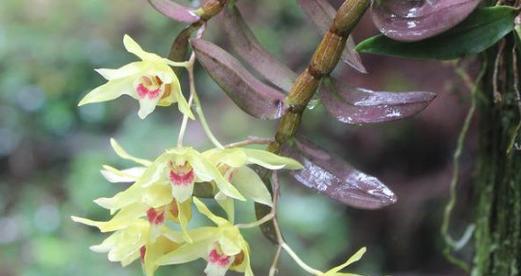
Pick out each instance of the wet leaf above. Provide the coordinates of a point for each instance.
(335, 178)
(420, 19)
(249, 93)
(249, 49)
(479, 31)
(175, 11)
(322, 15)
(362, 106)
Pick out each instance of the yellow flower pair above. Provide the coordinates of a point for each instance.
(162, 191)
(150, 219)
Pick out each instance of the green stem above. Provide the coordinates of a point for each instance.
(450, 243)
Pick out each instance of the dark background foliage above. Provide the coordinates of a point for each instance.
(51, 151)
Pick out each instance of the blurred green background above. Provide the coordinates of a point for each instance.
(51, 150)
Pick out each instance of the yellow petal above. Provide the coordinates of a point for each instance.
(234, 157)
(229, 246)
(202, 166)
(356, 257)
(270, 160)
(187, 253)
(155, 251)
(250, 185)
(114, 175)
(201, 207)
(122, 72)
(147, 106)
(108, 91)
(157, 195)
(227, 204)
(123, 154)
(122, 199)
(122, 219)
(134, 48)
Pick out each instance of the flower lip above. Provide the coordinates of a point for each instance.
(149, 87)
(181, 175)
(217, 258)
(156, 216)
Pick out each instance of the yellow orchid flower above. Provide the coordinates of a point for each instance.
(151, 81)
(170, 178)
(233, 163)
(355, 258)
(135, 242)
(172, 175)
(222, 246)
(124, 245)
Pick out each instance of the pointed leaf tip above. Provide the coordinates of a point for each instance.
(175, 11)
(417, 20)
(335, 178)
(249, 93)
(363, 106)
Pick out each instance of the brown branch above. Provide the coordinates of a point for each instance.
(324, 60)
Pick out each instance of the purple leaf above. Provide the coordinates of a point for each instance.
(362, 106)
(407, 20)
(322, 15)
(175, 11)
(337, 179)
(249, 49)
(250, 94)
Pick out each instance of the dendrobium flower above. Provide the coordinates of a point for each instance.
(222, 246)
(151, 81)
(233, 164)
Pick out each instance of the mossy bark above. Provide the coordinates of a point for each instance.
(498, 178)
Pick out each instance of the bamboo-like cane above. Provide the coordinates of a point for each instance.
(324, 60)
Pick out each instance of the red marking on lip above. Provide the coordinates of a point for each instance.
(142, 252)
(215, 258)
(181, 179)
(143, 92)
(155, 217)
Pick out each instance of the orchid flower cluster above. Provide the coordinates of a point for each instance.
(151, 219)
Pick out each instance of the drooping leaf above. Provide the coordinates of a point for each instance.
(175, 11)
(335, 178)
(322, 15)
(249, 93)
(421, 19)
(363, 106)
(479, 31)
(249, 49)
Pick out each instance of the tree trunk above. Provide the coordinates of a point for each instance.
(498, 179)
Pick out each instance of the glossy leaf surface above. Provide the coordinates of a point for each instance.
(362, 106)
(407, 20)
(335, 178)
(249, 93)
(249, 49)
(175, 11)
(479, 31)
(322, 15)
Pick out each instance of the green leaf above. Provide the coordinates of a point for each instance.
(478, 32)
